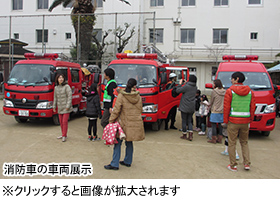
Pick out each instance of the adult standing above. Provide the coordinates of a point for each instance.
(63, 102)
(173, 111)
(108, 97)
(239, 108)
(187, 105)
(127, 111)
(217, 108)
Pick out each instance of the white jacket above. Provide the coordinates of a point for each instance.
(203, 108)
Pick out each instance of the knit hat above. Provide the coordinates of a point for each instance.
(192, 78)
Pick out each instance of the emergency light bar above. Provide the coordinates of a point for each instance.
(240, 57)
(136, 55)
(41, 55)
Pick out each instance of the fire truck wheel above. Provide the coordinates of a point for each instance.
(156, 125)
(56, 120)
(265, 133)
(20, 120)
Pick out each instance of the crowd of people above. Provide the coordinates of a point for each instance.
(229, 112)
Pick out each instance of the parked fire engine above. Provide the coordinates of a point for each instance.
(152, 77)
(258, 79)
(29, 90)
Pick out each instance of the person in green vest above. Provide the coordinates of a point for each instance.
(239, 108)
(108, 97)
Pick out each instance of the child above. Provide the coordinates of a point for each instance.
(225, 152)
(203, 112)
(93, 111)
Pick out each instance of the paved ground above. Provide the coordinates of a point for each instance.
(162, 155)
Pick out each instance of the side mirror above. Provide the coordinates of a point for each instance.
(276, 87)
(53, 75)
(96, 78)
(163, 77)
(209, 85)
(1, 78)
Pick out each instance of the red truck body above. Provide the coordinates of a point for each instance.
(258, 79)
(157, 101)
(29, 91)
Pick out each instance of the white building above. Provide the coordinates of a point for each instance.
(194, 33)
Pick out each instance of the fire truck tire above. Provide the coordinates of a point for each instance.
(156, 125)
(55, 120)
(20, 120)
(265, 133)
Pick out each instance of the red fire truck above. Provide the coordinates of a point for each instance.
(29, 90)
(258, 79)
(152, 77)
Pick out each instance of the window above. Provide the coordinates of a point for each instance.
(187, 35)
(16, 36)
(254, 36)
(99, 3)
(67, 36)
(75, 75)
(254, 2)
(43, 4)
(17, 4)
(98, 34)
(213, 74)
(157, 37)
(220, 36)
(155, 3)
(188, 2)
(220, 2)
(39, 36)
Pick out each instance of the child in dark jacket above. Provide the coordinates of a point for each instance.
(93, 112)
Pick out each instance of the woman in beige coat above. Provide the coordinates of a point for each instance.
(127, 111)
(217, 110)
(63, 102)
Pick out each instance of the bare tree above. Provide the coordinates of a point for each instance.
(120, 34)
(101, 45)
(216, 52)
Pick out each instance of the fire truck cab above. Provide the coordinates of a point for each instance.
(258, 79)
(152, 77)
(29, 90)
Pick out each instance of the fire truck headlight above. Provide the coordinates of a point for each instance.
(8, 103)
(44, 105)
(150, 108)
(270, 108)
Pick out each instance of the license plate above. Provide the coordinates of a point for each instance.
(23, 113)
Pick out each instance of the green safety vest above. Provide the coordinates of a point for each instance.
(240, 105)
(107, 97)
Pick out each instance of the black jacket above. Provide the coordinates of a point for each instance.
(93, 106)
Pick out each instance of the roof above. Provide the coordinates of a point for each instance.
(276, 68)
(13, 41)
(241, 66)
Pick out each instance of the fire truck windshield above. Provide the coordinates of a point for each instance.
(255, 80)
(30, 75)
(145, 75)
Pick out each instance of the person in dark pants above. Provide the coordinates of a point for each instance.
(93, 111)
(187, 105)
(108, 98)
(172, 114)
(197, 115)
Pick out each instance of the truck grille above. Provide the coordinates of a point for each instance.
(260, 108)
(29, 104)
